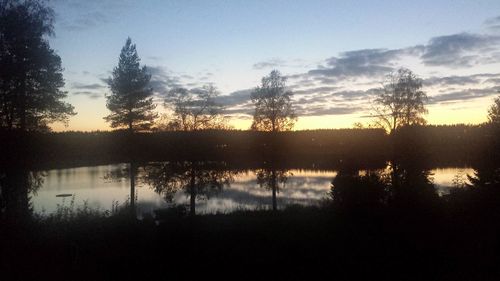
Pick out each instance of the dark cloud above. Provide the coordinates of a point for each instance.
(363, 63)
(80, 86)
(493, 81)
(326, 110)
(451, 80)
(464, 95)
(235, 98)
(316, 90)
(460, 50)
(356, 95)
(162, 80)
(89, 94)
(237, 111)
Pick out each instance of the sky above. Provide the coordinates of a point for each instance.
(335, 54)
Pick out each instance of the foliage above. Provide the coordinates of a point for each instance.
(131, 102)
(401, 101)
(494, 112)
(349, 189)
(31, 73)
(273, 105)
(194, 109)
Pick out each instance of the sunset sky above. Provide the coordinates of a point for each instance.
(334, 53)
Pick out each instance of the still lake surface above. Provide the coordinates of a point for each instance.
(93, 186)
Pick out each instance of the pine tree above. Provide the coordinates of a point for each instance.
(131, 102)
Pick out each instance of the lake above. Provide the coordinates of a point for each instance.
(106, 186)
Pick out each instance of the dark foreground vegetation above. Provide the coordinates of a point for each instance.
(451, 239)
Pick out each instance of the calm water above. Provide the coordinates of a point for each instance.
(100, 187)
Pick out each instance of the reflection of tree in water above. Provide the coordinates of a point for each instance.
(401, 186)
(271, 178)
(411, 185)
(350, 189)
(200, 180)
(130, 172)
(485, 177)
(15, 187)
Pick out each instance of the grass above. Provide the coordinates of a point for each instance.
(79, 243)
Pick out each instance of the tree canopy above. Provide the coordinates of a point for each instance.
(273, 104)
(401, 101)
(131, 99)
(31, 73)
(195, 109)
(494, 112)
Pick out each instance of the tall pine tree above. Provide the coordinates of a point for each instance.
(131, 102)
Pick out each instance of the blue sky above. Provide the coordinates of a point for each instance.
(334, 53)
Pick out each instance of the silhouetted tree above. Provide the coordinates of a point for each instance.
(494, 112)
(198, 179)
(350, 190)
(194, 109)
(273, 105)
(15, 185)
(30, 73)
(412, 188)
(485, 177)
(131, 102)
(401, 101)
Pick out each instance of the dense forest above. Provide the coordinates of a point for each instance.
(441, 146)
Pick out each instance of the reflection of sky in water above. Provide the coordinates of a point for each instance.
(91, 184)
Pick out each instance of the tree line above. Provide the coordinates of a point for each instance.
(31, 81)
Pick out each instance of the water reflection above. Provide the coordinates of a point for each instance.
(271, 178)
(200, 180)
(217, 188)
(17, 186)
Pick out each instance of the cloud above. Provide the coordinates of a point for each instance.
(495, 81)
(81, 86)
(451, 80)
(363, 63)
(493, 23)
(154, 58)
(464, 95)
(235, 98)
(162, 80)
(271, 63)
(89, 94)
(316, 90)
(76, 15)
(326, 110)
(460, 50)
(274, 63)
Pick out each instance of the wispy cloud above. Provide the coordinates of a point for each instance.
(89, 94)
(81, 86)
(76, 15)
